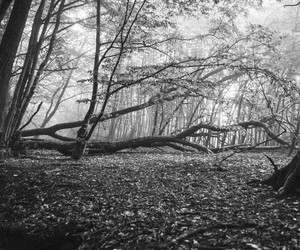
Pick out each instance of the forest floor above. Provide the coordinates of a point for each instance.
(145, 200)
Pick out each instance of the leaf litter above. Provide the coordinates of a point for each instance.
(145, 200)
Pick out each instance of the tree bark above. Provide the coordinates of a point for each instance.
(112, 147)
(82, 133)
(287, 179)
(8, 49)
(31, 84)
(4, 5)
(295, 137)
(26, 76)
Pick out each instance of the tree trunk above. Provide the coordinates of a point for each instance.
(295, 137)
(27, 74)
(32, 82)
(82, 133)
(4, 5)
(67, 148)
(8, 49)
(287, 179)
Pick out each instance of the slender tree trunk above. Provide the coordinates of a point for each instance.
(114, 122)
(295, 137)
(28, 69)
(83, 131)
(155, 118)
(31, 86)
(8, 49)
(171, 116)
(84, 134)
(54, 106)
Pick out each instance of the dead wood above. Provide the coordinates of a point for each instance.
(177, 141)
(98, 147)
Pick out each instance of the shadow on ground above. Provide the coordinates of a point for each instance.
(144, 200)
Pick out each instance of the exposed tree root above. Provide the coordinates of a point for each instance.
(287, 179)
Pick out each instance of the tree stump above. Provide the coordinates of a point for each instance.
(287, 179)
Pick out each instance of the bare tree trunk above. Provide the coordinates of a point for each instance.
(8, 49)
(163, 126)
(155, 118)
(31, 72)
(83, 134)
(114, 122)
(295, 137)
(287, 179)
(55, 105)
(83, 131)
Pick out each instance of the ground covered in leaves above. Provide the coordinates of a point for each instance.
(145, 200)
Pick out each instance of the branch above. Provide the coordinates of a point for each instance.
(34, 114)
(51, 131)
(233, 127)
(291, 5)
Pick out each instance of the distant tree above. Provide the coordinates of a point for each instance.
(184, 75)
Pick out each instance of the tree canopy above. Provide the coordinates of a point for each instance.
(79, 74)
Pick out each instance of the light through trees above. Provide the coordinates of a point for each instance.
(192, 76)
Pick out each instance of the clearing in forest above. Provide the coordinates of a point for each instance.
(145, 200)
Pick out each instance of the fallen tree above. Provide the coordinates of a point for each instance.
(66, 148)
(177, 142)
(285, 180)
(151, 141)
(52, 131)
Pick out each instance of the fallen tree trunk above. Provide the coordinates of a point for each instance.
(287, 179)
(176, 141)
(149, 141)
(52, 131)
(111, 147)
(98, 147)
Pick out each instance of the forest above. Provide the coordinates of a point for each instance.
(149, 124)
